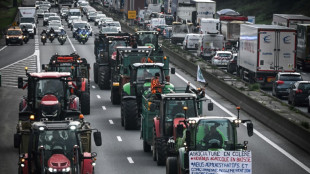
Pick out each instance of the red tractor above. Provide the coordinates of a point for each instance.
(58, 147)
(79, 69)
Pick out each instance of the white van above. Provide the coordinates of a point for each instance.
(209, 44)
(191, 41)
(209, 26)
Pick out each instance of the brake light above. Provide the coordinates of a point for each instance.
(298, 91)
(280, 82)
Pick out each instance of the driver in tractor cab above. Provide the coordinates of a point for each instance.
(177, 109)
(156, 87)
(213, 137)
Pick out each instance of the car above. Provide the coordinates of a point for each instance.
(298, 93)
(232, 64)
(191, 41)
(46, 16)
(103, 20)
(221, 58)
(64, 12)
(113, 24)
(30, 28)
(81, 24)
(108, 30)
(92, 16)
(283, 81)
(53, 18)
(14, 35)
(99, 17)
(56, 26)
(41, 11)
(167, 32)
(71, 19)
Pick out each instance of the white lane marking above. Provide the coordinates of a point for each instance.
(3, 48)
(71, 44)
(93, 87)
(111, 121)
(98, 96)
(16, 62)
(104, 108)
(37, 53)
(130, 160)
(296, 161)
(119, 138)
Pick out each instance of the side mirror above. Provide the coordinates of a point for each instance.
(20, 82)
(172, 70)
(43, 67)
(250, 129)
(97, 138)
(210, 106)
(180, 129)
(153, 107)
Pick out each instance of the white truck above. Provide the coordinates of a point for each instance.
(209, 44)
(264, 51)
(185, 12)
(28, 15)
(209, 26)
(231, 32)
(290, 20)
(204, 9)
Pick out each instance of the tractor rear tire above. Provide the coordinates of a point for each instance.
(85, 103)
(161, 151)
(171, 165)
(130, 113)
(96, 73)
(146, 147)
(104, 77)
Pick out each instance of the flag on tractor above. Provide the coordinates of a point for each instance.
(200, 77)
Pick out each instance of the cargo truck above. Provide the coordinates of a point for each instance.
(204, 9)
(303, 46)
(28, 15)
(231, 32)
(265, 50)
(290, 20)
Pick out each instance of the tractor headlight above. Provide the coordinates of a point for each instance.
(7, 37)
(52, 170)
(20, 37)
(93, 163)
(66, 169)
(22, 165)
(72, 127)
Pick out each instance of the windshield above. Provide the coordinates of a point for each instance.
(109, 30)
(224, 55)
(54, 18)
(58, 142)
(27, 26)
(74, 13)
(179, 28)
(79, 25)
(114, 44)
(175, 109)
(14, 32)
(27, 20)
(214, 134)
(48, 15)
(290, 77)
(147, 39)
(49, 86)
(147, 73)
(54, 25)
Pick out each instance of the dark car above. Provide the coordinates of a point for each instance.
(298, 93)
(232, 64)
(283, 81)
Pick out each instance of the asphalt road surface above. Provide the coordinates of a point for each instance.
(121, 151)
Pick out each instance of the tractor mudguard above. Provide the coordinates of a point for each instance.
(156, 124)
(129, 97)
(87, 166)
(83, 85)
(126, 89)
(181, 157)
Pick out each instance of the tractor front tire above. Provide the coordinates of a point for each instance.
(96, 73)
(171, 165)
(104, 77)
(161, 151)
(146, 147)
(130, 114)
(85, 103)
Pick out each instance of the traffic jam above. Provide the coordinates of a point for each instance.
(154, 115)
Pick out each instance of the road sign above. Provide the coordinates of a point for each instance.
(131, 14)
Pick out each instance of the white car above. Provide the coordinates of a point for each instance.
(108, 30)
(54, 18)
(99, 17)
(113, 24)
(221, 58)
(71, 19)
(46, 16)
(103, 20)
(81, 24)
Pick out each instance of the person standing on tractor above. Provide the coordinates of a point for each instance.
(156, 87)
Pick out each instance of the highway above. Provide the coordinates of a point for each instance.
(121, 151)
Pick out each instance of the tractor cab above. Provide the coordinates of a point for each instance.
(58, 147)
(48, 97)
(148, 38)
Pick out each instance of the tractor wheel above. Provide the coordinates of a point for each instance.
(171, 165)
(122, 113)
(161, 151)
(16, 140)
(104, 77)
(146, 147)
(96, 73)
(115, 97)
(85, 103)
(130, 114)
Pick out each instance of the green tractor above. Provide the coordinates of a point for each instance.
(211, 133)
(160, 113)
(141, 75)
(105, 50)
(120, 69)
(149, 38)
